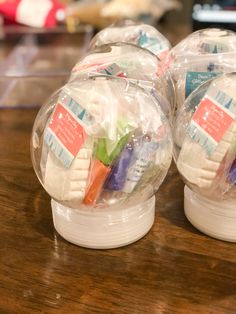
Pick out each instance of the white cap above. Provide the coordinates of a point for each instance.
(214, 218)
(104, 228)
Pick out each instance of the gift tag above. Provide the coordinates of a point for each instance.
(195, 79)
(65, 134)
(212, 118)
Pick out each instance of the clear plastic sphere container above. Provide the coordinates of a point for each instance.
(101, 147)
(205, 155)
(130, 62)
(142, 35)
(201, 56)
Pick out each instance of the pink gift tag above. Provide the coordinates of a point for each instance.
(64, 135)
(68, 131)
(212, 119)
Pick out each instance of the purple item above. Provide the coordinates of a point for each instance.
(232, 173)
(119, 172)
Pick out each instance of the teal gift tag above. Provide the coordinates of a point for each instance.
(152, 44)
(195, 79)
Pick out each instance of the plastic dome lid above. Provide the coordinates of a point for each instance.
(200, 57)
(129, 62)
(143, 35)
(206, 42)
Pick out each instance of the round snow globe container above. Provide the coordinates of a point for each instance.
(140, 34)
(101, 148)
(205, 154)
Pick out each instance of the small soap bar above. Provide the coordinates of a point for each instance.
(199, 168)
(65, 184)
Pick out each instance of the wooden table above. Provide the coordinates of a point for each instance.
(174, 269)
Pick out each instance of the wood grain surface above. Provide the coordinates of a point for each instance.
(174, 269)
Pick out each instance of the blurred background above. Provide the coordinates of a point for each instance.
(40, 41)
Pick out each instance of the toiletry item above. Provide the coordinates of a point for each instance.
(232, 173)
(197, 166)
(98, 175)
(106, 152)
(68, 184)
(102, 150)
(119, 171)
(143, 156)
(69, 150)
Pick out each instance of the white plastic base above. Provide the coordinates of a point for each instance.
(104, 229)
(214, 218)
